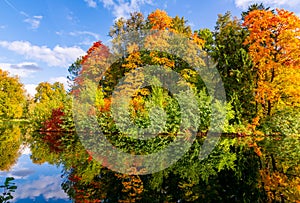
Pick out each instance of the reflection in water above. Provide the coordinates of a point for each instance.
(47, 187)
(59, 168)
(22, 172)
(213, 180)
(10, 141)
(9, 188)
(36, 183)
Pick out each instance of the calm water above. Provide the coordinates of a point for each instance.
(55, 167)
(35, 182)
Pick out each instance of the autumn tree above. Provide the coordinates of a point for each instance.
(274, 49)
(12, 96)
(48, 97)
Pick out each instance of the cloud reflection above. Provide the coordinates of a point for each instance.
(46, 186)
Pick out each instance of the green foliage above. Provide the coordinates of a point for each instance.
(284, 122)
(234, 65)
(8, 188)
(48, 97)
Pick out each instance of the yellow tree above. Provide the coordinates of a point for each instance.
(12, 96)
(274, 45)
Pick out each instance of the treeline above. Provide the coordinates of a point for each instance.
(256, 55)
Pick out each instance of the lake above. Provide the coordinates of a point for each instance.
(56, 167)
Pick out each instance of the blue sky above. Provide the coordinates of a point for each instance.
(40, 39)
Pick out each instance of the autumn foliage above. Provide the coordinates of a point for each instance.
(274, 47)
(259, 62)
(55, 121)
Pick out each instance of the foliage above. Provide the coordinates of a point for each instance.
(48, 97)
(234, 65)
(259, 65)
(10, 141)
(55, 122)
(284, 122)
(273, 46)
(8, 188)
(12, 96)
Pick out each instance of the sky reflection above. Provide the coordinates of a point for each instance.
(36, 183)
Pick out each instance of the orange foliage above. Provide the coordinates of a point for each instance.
(106, 106)
(274, 47)
(160, 20)
(132, 186)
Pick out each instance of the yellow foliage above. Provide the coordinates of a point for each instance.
(274, 47)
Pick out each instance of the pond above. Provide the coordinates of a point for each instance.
(56, 167)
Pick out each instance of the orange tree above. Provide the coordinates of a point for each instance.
(274, 48)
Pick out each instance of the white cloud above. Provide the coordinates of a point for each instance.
(77, 33)
(279, 3)
(30, 89)
(2, 26)
(122, 8)
(46, 186)
(91, 3)
(23, 70)
(58, 56)
(62, 80)
(34, 21)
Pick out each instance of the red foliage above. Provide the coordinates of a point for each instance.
(97, 49)
(54, 141)
(93, 65)
(55, 121)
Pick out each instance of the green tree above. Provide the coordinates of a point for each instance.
(12, 96)
(234, 65)
(48, 97)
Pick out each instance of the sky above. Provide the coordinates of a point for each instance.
(39, 40)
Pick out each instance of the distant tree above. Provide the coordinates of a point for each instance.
(74, 70)
(254, 7)
(48, 97)
(12, 96)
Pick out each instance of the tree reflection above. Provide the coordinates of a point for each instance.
(10, 142)
(233, 172)
(188, 180)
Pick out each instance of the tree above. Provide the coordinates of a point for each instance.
(74, 70)
(160, 20)
(48, 97)
(180, 26)
(274, 48)
(233, 63)
(12, 96)
(254, 7)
